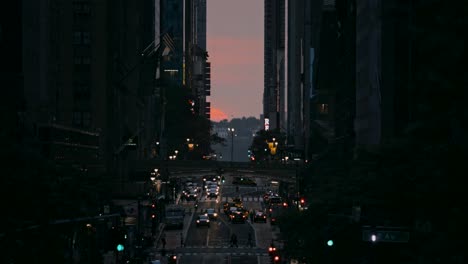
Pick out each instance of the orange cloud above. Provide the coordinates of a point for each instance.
(218, 115)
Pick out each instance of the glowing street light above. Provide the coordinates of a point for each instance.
(232, 130)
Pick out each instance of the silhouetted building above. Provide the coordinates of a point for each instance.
(89, 70)
(383, 70)
(274, 63)
(172, 22)
(295, 87)
(11, 73)
(197, 68)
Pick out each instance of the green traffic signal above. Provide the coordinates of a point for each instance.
(120, 247)
(330, 243)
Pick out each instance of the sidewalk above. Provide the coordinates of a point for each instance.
(172, 236)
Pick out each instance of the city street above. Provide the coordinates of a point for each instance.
(211, 244)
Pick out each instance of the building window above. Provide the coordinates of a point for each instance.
(82, 119)
(323, 108)
(81, 8)
(77, 118)
(86, 119)
(82, 60)
(86, 60)
(77, 37)
(81, 38)
(86, 38)
(82, 91)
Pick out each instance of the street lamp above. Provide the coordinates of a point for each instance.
(231, 130)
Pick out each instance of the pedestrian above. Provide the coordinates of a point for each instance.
(249, 240)
(234, 240)
(163, 242)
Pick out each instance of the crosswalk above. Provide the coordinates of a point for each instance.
(224, 199)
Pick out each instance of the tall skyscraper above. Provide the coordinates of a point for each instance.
(295, 85)
(172, 23)
(383, 70)
(197, 67)
(274, 63)
(89, 92)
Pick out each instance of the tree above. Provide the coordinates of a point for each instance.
(259, 146)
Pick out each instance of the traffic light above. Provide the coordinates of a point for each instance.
(302, 201)
(276, 259)
(330, 243)
(117, 239)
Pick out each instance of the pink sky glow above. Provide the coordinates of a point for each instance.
(235, 47)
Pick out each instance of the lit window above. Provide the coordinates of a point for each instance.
(323, 108)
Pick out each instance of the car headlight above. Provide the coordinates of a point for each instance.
(215, 214)
(207, 221)
(198, 221)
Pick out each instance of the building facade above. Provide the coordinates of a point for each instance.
(274, 64)
(197, 67)
(383, 70)
(89, 85)
(171, 19)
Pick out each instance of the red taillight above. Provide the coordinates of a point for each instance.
(153, 216)
(174, 257)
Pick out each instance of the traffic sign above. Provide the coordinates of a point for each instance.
(386, 236)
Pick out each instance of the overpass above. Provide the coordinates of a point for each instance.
(187, 166)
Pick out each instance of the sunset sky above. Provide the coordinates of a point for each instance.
(235, 47)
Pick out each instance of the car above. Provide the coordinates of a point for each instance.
(203, 220)
(212, 193)
(275, 200)
(260, 216)
(211, 212)
(232, 210)
(211, 178)
(227, 206)
(237, 217)
(212, 186)
(192, 195)
(237, 202)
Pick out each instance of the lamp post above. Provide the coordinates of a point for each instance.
(231, 130)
